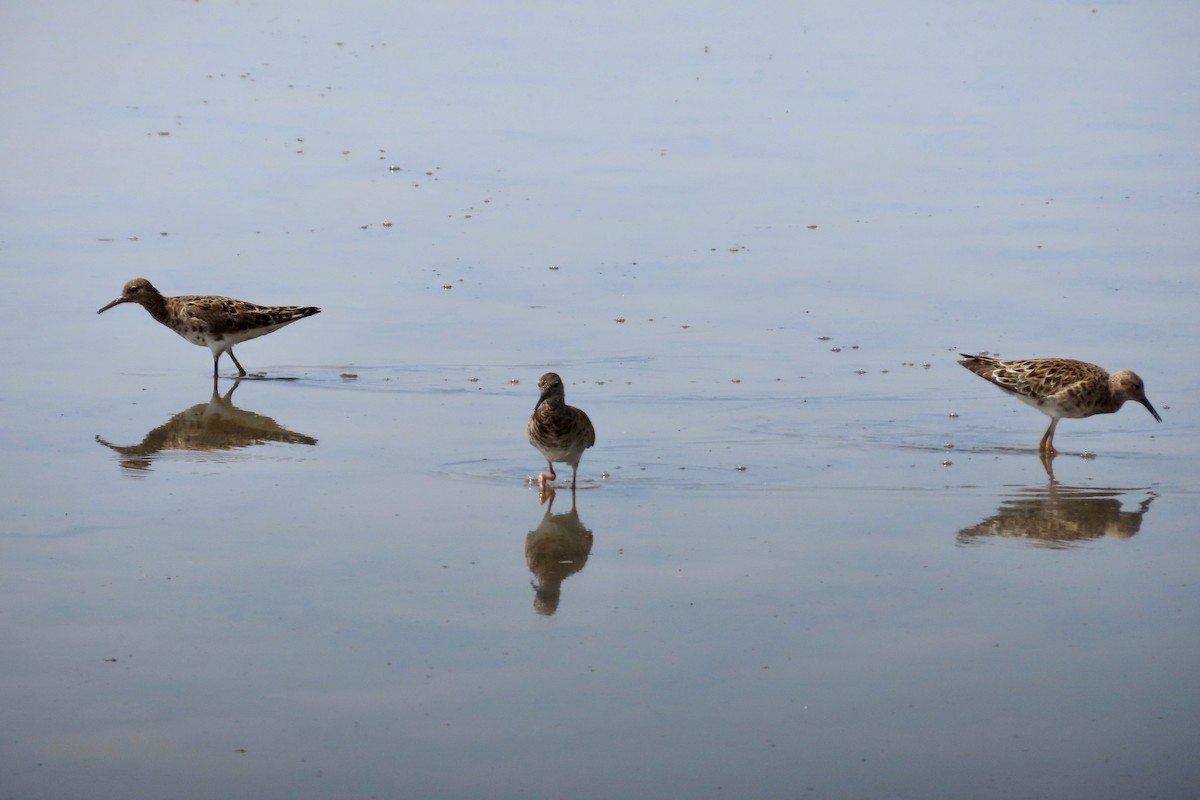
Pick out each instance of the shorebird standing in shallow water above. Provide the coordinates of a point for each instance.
(561, 432)
(1061, 387)
(217, 323)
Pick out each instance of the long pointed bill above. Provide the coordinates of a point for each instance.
(120, 300)
(1150, 408)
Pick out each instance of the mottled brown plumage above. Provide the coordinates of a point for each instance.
(1061, 387)
(217, 323)
(561, 432)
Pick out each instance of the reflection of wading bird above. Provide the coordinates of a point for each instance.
(561, 432)
(554, 552)
(1060, 518)
(1061, 387)
(217, 323)
(215, 426)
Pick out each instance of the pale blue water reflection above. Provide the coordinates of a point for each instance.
(804, 556)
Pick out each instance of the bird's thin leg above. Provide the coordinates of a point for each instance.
(542, 478)
(216, 358)
(1047, 444)
(241, 371)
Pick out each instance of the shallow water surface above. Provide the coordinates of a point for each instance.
(809, 555)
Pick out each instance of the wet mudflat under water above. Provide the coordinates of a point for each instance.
(809, 555)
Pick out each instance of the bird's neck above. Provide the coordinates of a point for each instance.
(157, 306)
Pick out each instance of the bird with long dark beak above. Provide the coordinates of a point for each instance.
(1061, 387)
(561, 432)
(217, 323)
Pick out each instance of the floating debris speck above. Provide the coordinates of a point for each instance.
(554, 267)
(740, 467)
(953, 415)
(947, 463)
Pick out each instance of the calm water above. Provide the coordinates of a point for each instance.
(809, 555)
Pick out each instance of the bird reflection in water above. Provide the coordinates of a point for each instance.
(557, 549)
(1060, 517)
(210, 427)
